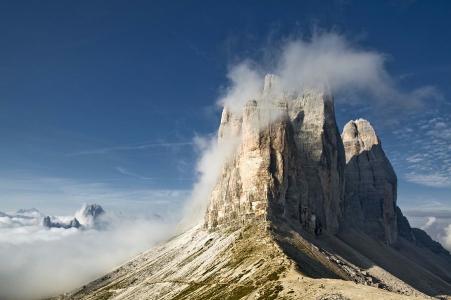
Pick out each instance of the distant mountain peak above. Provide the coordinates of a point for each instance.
(86, 217)
(92, 210)
(48, 222)
(29, 212)
(89, 214)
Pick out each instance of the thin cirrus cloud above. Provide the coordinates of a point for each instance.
(129, 173)
(126, 172)
(58, 194)
(130, 148)
(432, 180)
(428, 161)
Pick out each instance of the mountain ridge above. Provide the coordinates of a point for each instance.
(299, 211)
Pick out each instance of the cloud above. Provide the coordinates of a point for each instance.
(213, 157)
(124, 171)
(438, 213)
(57, 195)
(38, 262)
(447, 237)
(130, 148)
(432, 180)
(439, 230)
(127, 172)
(429, 161)
(430, 221)
(328, 62)
(432, 216)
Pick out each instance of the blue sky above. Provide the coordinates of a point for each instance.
(100, 100)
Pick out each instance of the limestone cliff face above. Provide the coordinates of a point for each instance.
(321, 154)
(289, 163)
(370, 189)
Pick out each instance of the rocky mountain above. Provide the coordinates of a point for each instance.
(49, 223)
(370, 185)
(289, 162)
(88, 216)
(298, 212)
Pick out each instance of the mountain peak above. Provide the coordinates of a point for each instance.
(89, 214)
(282, 145)
(371, 183)
(358, 136)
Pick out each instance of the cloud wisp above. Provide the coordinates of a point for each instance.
(130, 148)
(126, 172)
(428, 156)
(209, 167)
(327, 62)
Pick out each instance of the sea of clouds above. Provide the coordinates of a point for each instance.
(39, 262)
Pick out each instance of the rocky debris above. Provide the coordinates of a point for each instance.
(334, 296)
(371, 183)
(49, 223)
(355, 273)
(289, 162)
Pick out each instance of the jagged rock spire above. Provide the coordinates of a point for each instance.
(289, 163)
(371, 183)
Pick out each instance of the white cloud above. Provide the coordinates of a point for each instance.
(245, 84)
(40, 262)
(430, 221)
(429, 161)
(212, 159)
(143, 146)
(431, 215)
(328, 62)
(432, 180)
(61, 194)
(440, 230)
(126, 172)
(414, 158)
(447, 237)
